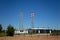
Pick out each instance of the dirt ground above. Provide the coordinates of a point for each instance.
(31, 37)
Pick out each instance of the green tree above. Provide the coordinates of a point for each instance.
(10, 30)
(0, 28)
(55, 32)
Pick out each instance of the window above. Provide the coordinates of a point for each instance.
(21, 30)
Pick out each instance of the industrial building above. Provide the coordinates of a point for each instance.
(31, 30)
(39, 30)
(34, 31)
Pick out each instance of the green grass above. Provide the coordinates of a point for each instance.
(2, 34)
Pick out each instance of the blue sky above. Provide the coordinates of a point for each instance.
(46, 13)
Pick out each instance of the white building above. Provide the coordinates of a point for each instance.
(21, 32)
(42, 31)
(34, 30)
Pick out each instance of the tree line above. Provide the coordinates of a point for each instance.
(55, 32)
(8, 32)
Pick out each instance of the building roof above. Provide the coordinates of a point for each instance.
(39, 28)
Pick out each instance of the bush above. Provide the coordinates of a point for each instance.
(55, 32)
(0, 28)
(10, 31)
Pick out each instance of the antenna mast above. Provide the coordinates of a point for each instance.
(32, 19)
(21, 21)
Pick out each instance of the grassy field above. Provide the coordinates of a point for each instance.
(31, 37)
(2, 34)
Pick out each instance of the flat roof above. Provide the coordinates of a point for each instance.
(39, 28)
